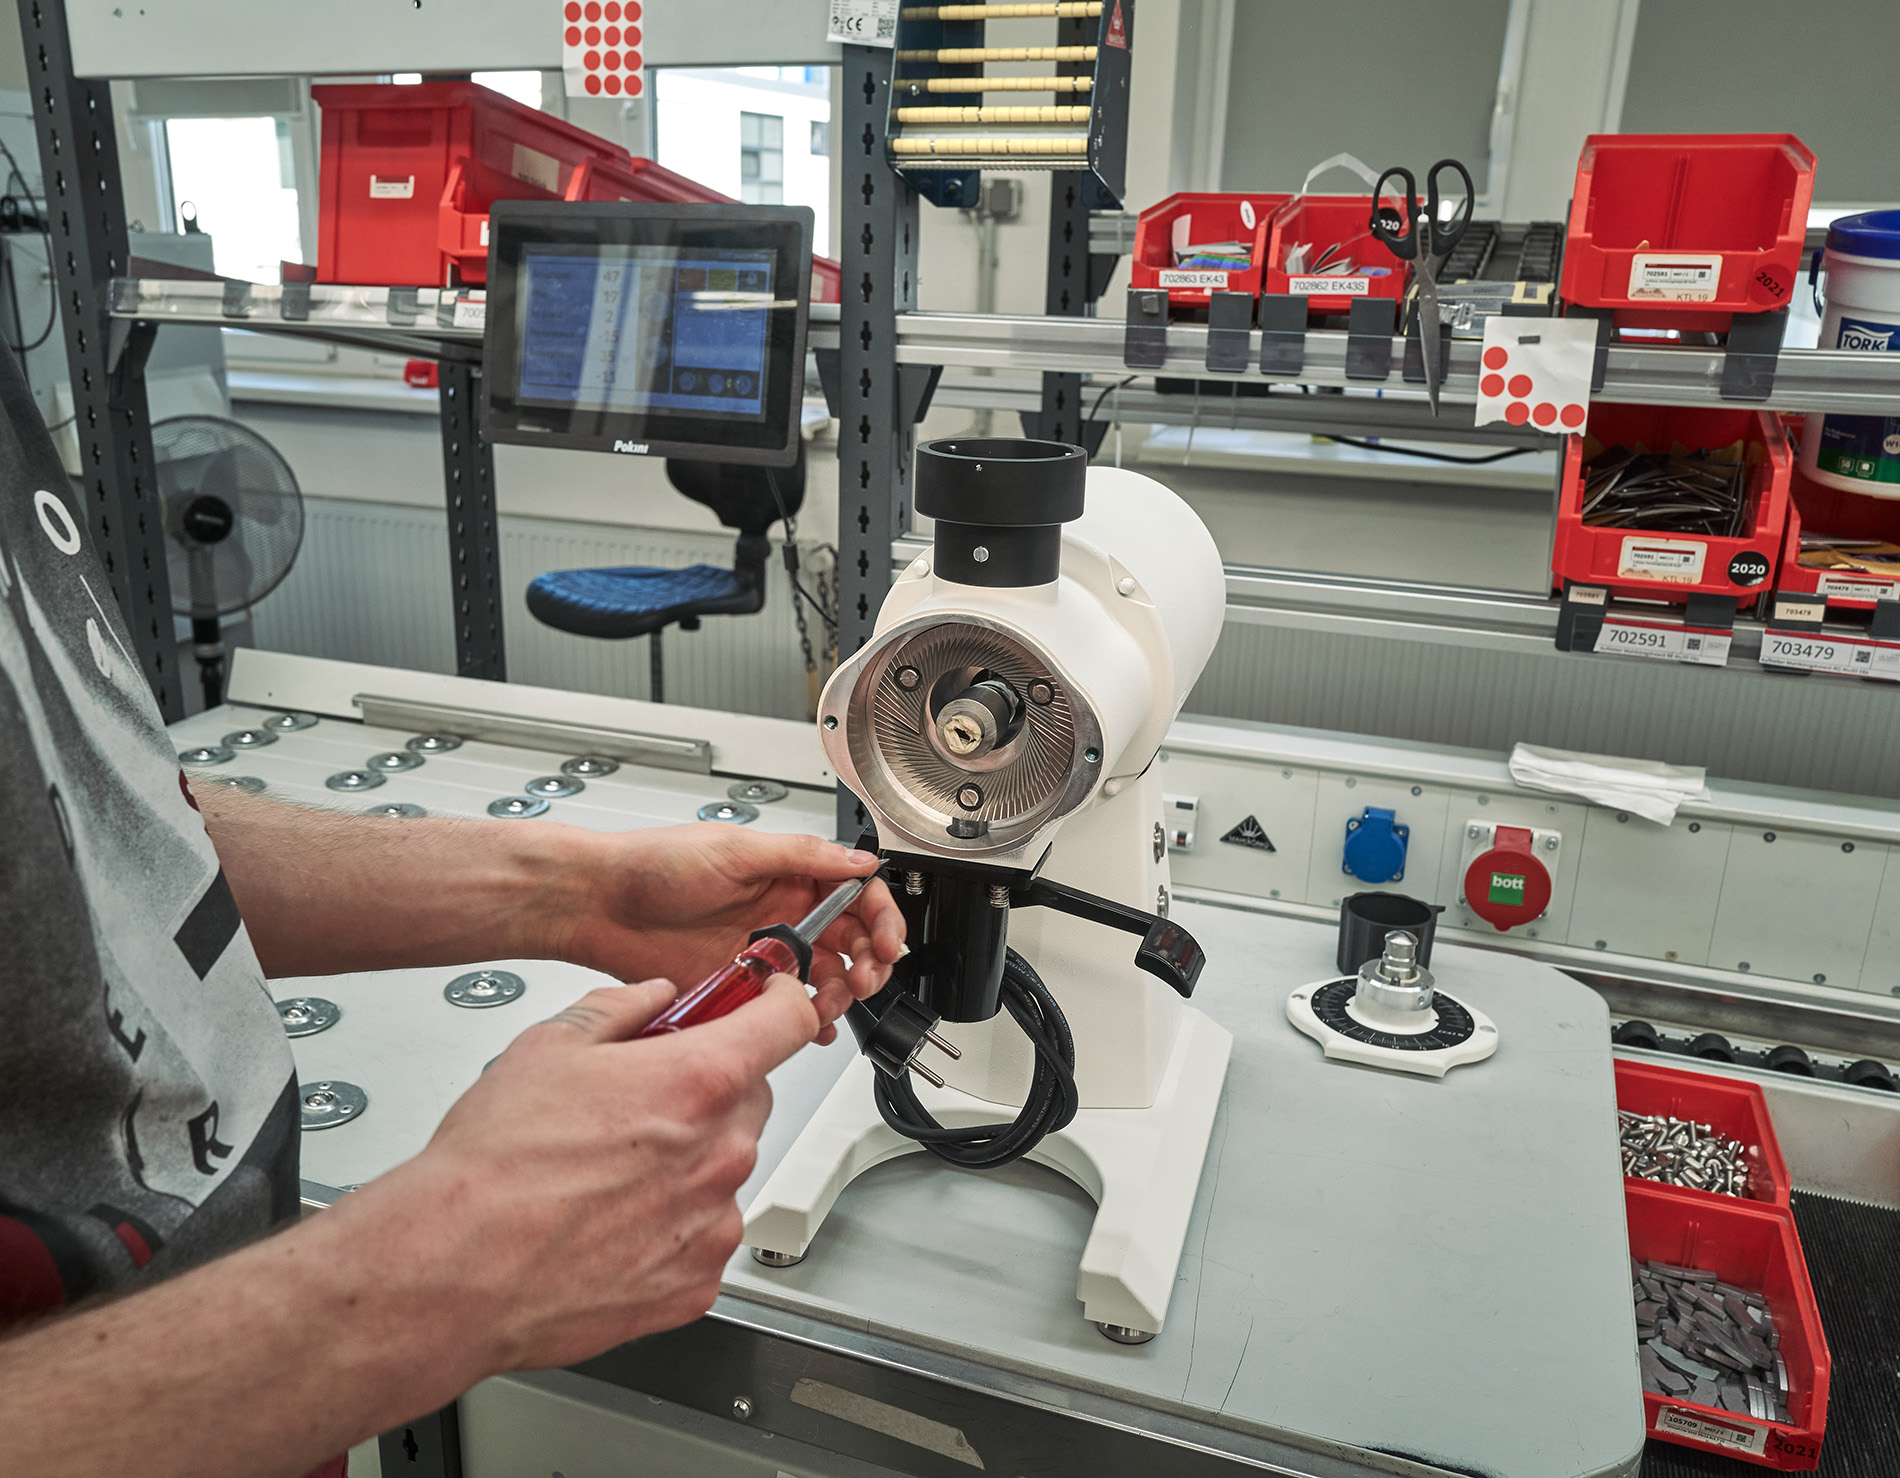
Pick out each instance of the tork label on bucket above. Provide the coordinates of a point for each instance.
(1863, 448)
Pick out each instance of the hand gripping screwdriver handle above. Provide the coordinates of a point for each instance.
(728, 988)
(780, 950)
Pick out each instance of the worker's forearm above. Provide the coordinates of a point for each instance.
(322, 893)
(266, 1362)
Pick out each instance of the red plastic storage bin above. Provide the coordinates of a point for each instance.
(409, 171)
(827, 280)
(1322, 221)
(1752, 1247)
(1212, 218)
(1683, 230)
(1668, 566)
(1828, 510)
(1727, 1105)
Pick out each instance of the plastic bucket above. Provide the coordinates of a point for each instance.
(1859, 454)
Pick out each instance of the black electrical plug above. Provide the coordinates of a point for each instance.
(892, 1027)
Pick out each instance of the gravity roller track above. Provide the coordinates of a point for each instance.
(941, 148)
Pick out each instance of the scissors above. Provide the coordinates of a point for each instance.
(1427, 240)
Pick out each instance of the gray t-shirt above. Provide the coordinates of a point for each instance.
(147, 1098)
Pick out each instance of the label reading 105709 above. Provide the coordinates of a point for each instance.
(1749, 1438)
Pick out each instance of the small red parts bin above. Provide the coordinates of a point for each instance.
(1311, 233)
(1729, 1106)
(1849, 578)
(827, 280)
(1194, 245)
(1753, 1247)
(1660, 565)
(1683, 230)
(409, 171)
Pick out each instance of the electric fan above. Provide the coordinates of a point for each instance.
(233, 521)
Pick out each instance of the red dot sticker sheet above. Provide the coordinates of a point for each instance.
(1536, 372)
(600, 48)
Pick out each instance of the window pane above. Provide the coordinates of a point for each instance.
(523, 87)
(232, 171)
(820, 137)
(707, 119)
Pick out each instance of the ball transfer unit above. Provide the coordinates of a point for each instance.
(1001, 729)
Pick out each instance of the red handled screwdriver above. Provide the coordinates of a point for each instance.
(783, 949)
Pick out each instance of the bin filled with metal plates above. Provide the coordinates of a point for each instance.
(1708, 1340)
(1729, 1341)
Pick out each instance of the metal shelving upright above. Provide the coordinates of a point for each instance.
(88, 246)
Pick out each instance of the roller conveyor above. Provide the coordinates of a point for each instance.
(942, 51)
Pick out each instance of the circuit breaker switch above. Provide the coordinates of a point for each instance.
(1178, 815)
(1375, 846)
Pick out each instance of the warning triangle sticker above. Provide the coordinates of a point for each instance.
(1117, 33)
(1250, 833)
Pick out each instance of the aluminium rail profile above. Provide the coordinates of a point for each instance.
(1806, 379)
(1406, 610)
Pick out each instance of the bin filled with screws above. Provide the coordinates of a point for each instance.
(1699, 1132)
(1681, 1152)
(1730, 1350)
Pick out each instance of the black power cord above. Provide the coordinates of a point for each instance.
(789, 551)
(1413, 451)
(1052, 1098)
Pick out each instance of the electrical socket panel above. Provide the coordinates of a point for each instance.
(1797, 905)
(1479, 837)
(1646, 889)
(1420, 808)
(1253, 825)
(1820, 905)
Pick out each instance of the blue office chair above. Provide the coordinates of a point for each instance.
(643, 600)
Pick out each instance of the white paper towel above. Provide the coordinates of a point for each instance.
(1644, 788)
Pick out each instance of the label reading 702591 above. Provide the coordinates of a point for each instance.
(1665, 642)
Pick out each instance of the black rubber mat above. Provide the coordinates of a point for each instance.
(1853, 1254)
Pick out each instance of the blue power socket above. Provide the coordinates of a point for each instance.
(1375, 846)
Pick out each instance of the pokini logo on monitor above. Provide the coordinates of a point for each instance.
(637, 448)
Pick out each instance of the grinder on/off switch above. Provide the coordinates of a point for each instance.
(1507, 873)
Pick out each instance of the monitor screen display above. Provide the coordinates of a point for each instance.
(647, 328)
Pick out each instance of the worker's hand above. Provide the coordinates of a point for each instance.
(680, 902)
(581, 1193)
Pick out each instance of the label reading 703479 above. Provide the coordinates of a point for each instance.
(1853, 656)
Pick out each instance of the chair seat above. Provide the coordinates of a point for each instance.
(636, 600)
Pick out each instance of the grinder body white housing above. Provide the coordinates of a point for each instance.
(1128, 626)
